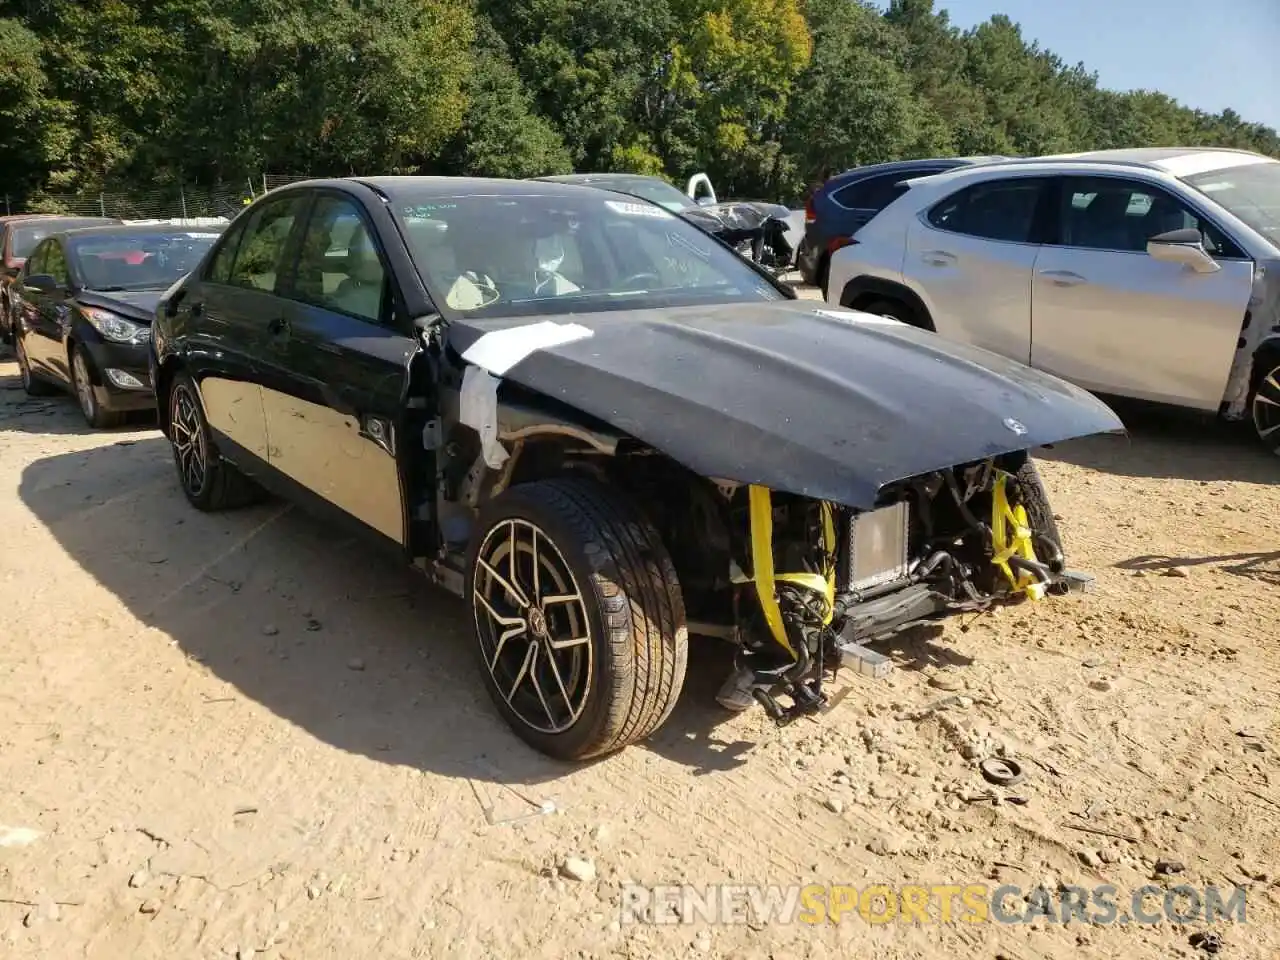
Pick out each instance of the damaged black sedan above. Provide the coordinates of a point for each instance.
(607, 432)
(757, 231)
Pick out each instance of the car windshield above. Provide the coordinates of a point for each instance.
(26, 237)
(1251, 192)
(652, 189)
(139, 261)
(568, 252)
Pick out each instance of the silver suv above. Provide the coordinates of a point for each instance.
(1150, 273)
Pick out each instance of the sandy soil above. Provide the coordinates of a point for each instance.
(240, 735)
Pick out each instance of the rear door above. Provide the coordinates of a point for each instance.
(230, 317)
(970, 257)
(1111, 318)
(339, 368)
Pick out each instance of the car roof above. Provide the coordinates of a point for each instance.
(11, 217)
(392, 187)
(134, 230)
(590, 177)
(906, 166)
(1175, 161)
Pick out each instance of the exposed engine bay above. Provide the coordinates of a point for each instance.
(799, 585)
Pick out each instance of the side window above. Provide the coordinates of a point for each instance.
(339, 267)
(35, 263)
(55, 263)
(259, 260)
(1106, 213)
(994, 210)
(219, 269)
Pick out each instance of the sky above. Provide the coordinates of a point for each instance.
(1202, 54)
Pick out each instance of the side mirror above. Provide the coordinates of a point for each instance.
(41, 283)
(1184, 246)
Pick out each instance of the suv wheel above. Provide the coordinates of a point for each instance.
(888, 308)
(579, 618)
(1265, 407)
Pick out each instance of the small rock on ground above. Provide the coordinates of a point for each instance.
(578, 868)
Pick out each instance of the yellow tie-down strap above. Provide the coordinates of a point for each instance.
(766, 580)
(1011, 537)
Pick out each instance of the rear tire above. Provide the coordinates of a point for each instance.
(1264, 407)
(210, 483)
(590, 656)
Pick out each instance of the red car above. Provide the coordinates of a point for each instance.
(19, 234)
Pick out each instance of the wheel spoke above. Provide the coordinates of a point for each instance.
(515, 594)
(527, 663)
(512, 569)
(537, 687)
(537, 577)
(555, 672)
(561, 598)
(567, 644)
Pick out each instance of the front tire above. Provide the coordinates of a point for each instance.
(210, 483)
(1044, 528)
(82, 385)
(579, 618)
(1264, 406)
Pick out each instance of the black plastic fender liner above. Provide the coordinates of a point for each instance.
(863, 289)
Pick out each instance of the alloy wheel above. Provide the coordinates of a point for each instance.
(1266, 410)
(83, 385)
(532, 624)
(187, 436)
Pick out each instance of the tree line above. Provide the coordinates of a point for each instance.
(765, 95)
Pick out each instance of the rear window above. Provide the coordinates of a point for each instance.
(873, 193)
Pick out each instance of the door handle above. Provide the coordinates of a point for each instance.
(1063, 278)
(938, 258)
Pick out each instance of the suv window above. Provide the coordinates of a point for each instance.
(339, 267)
(994, 210)
(1107, 213)
(260, 258)
(874, 193)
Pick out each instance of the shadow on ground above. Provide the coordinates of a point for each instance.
(54, 414)
(1165, 443)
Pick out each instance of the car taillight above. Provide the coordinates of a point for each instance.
(837, 242)
(810, 215)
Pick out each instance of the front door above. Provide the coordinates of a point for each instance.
(338, 369)
(1108, 316)
(48, 315)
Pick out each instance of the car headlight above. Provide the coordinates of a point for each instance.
(115, 327)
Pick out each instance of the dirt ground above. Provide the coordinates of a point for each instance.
(238, 735)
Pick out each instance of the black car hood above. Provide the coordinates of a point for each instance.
(797, 396)
(137, 305)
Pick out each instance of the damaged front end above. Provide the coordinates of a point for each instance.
(757, 232)
(814, 582)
